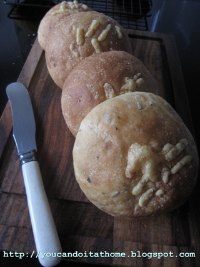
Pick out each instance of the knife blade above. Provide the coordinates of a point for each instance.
(44, 230)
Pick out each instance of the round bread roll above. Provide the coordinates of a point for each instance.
(133, 156)
(81, 35)
(99, 77)
(54, 15)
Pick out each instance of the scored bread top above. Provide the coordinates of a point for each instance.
(100, 77)
(54, 15)
(78, 36)
(133, 156)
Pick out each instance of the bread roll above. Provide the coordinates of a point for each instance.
(133, 156)
(99, 77)
(54, 15)
(81, 35)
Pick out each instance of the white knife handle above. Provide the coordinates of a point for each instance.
(44, 230)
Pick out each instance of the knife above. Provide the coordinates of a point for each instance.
(44, 230)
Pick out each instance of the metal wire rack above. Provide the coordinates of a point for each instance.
(131, 14)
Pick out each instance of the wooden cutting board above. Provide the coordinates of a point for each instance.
(81, 226)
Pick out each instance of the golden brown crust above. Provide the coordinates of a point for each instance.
(54, 15)
(133, 156)
(99, 77)
(81, 35)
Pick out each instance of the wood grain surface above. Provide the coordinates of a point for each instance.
(81, 226)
